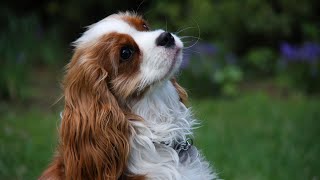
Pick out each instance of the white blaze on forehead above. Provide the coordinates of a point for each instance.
(105, 26)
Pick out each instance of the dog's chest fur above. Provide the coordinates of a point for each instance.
(166, 122)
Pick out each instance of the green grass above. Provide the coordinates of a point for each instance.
(27, 142)
(252, 137)
(256, 137)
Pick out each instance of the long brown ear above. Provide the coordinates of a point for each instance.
(182, 93)
(94, 132)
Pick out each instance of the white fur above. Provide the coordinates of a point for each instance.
(166, 119)
(104, 26)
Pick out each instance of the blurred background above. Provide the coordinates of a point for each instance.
(251, 67)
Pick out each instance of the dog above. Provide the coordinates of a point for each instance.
(125, 116)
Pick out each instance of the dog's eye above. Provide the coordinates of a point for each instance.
(145, 26)
(126, 53)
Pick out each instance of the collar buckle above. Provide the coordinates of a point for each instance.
(183, 146)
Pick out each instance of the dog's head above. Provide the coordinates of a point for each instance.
(134, 56)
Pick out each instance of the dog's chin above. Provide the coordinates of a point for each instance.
(165, 73)
(172, 69)
(175, 65)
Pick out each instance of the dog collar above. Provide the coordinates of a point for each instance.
(183, 146)
(186, 151)
(180, 146)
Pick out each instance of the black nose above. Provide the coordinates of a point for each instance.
(165, 39)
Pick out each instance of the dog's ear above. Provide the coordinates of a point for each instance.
(182, 93)
(94, 131)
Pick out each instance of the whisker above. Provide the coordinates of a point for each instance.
(184, 37)
(188, 47)
(197, 40)
(148, 12)
(192, 51)
(57, 100)
(187, 42)
(183, 29)
(140, 5)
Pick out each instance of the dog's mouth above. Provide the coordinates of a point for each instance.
(175, 64)
(176, 58)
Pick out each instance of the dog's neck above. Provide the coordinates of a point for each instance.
(158, 145)
(166, 117)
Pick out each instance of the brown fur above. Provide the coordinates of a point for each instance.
(136, 21)
(183, 95)
(94, 134)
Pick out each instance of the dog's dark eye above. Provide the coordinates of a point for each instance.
(126, 53)
(145, 26)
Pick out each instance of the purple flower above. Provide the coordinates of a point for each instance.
(185, 60)
(206, 48)
(288, 52)
(196, 50)
(308, 52)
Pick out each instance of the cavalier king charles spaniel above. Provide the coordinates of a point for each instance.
(125, 115)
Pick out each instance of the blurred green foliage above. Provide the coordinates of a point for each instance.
(24, 46)
(40, 32)
(262, 60)
(15, 52)
(251, 29)
(228, 77)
